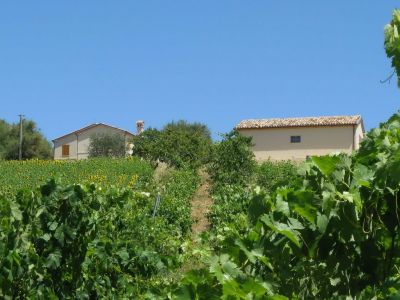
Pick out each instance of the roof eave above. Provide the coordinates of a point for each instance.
(297, 126)
(76, 132)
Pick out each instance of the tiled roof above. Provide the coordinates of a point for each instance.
(300, 122)
(91, 126)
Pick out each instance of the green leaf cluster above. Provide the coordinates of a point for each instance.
(392, 42)
(232, 160)
(272, 174)
(85, 241)
(179, 144)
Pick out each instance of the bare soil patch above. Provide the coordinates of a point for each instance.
(201, 205)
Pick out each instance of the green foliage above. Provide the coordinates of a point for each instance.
(272, 174)
(229, 202)
(86, 241)
(178, 187)
(29, 174)
(34, 144)
(185, 144)
(5, 129)
(232, 201)
(147, 145)
(179, 144)
(392, 42)
(232, 160)
(107, 145)
(333, 234)
(44, 240)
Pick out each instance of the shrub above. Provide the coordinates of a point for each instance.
(271, 175)
(107, 145)
(232, 160)
(186, 144)
(179, 144)
(229, 202)
(147, 145)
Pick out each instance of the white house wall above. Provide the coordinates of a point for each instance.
(67, 140)
(83, 141)
(274, 143)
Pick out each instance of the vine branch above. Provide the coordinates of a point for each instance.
(389, 78)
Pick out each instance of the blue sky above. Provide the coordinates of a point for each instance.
(66, 64)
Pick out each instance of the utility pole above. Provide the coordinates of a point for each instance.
(20, 136)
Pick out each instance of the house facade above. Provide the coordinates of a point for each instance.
(75, 145)
(298, 138)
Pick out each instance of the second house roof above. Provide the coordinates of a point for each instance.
(300, 122)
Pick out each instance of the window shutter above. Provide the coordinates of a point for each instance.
(65, 150)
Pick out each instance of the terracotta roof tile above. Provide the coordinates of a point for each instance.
(300, 122)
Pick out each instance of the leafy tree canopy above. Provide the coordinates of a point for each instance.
(232, 159)
(107, 145)
(186, 144)
(179, 144)
(34, 144)
(392, 42)
(147, 145)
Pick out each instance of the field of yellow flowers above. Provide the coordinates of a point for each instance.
(17, 175)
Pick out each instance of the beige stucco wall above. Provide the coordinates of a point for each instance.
(67, 140)
(274, 143)
(79, 143)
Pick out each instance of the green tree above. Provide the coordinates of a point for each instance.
(34, 144)
(148, 145)
(392, 42)
(232, 160)
(107, 145)
(179, 144)
(186, 144)
(4, 137)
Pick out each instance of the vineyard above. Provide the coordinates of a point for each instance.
(328, 228)
(331, 231)
(91, 232)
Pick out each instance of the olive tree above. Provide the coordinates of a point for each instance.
(107, 145)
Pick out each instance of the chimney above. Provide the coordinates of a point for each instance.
(139, 126)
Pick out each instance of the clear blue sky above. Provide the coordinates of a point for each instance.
(66, 64)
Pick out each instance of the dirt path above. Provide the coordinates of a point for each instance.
(201, 202)
(201, 205)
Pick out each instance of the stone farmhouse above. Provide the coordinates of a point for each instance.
(75, 145)
(298, 138)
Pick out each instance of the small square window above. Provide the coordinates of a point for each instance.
(65, 150)
(295, 139)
